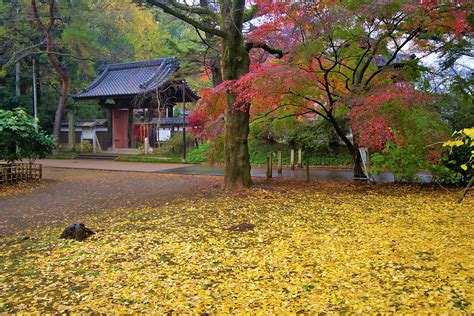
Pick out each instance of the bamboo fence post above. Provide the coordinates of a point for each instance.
(269, 166)
(307, 169)
(280, 163)
(300, 158)
(292, 159)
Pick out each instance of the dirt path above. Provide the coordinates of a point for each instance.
(65, 195)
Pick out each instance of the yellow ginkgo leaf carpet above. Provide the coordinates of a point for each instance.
(316, 247)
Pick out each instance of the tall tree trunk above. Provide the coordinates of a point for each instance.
(358, 168)
(235, 63)
(216, 70)
(61, 106)
(352, 147)
(17, 79)
(64, 76)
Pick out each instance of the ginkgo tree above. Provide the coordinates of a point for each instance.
(226, 21)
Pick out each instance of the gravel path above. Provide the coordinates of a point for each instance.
(65, 195)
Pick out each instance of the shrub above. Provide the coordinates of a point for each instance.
(200, 154)
(318, 140)
(175, 144)
(403, 162)
(457, 163)
(86, 146)
(38, 145)
(21, 137)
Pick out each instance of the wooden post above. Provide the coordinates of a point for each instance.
(184, 123)
(71, 131)
(292, 159)
(270, 158)
(280, 163)
(307, 170)
(300, 158)
(269, 166)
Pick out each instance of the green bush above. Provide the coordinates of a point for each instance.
(318, 140)
(457, 163)
(416, 130)
(200, 154)
(38, 145)
(403, 162)
(86, 146)
(175, 144)
(21, 137)
(319, 136)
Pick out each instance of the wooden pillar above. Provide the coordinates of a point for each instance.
(109, 128)
(300, 158)
(307, 169)
(269, 166)
(280, 163)
(71, 131)
(292, 159)
(131, 140)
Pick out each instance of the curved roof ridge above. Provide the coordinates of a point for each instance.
(130, 78)
(162, 72)
(96, 81)
(142, 63)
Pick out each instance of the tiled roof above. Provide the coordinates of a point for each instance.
(131, 78)
(170, 121)
(87, 123)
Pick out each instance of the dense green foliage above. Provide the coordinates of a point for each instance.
(88, 34)
(319, 142)
(458, 159)
(20, 137)
(457, 103)
(417, 150)
(175, 144)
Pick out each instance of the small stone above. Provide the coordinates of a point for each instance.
(77, 231)
(243, 227)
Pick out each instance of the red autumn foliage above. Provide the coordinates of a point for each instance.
(375, 119)
(297, 84)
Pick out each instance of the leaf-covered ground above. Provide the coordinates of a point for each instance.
(320, 247)
(19, 188)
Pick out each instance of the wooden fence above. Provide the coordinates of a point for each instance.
(19, 172)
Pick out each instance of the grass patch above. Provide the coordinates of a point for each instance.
(199, 155)
(153, 158)
(194, 156)
(63, 155)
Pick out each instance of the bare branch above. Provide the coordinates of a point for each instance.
(183, 17)
(274, 51)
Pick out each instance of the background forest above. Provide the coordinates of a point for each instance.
(299, 99)
(86, 35)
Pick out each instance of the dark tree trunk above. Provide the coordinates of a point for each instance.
(216, 71)
(352, 147)
(58, 67)
(61, 106)
(358, 166)
(235, 64)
